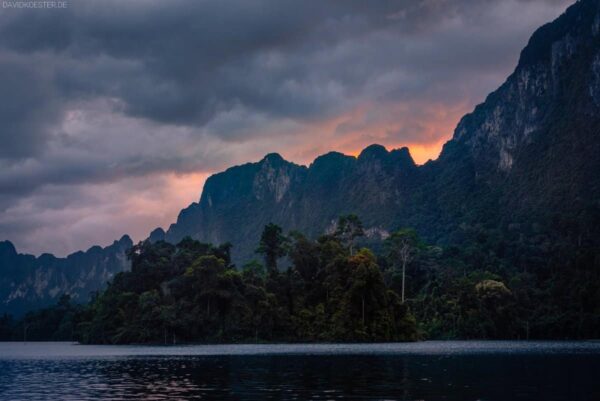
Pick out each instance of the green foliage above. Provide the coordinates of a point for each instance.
(191, 293)
(402, 247)
(494, 284)
(497, 285)
(50, 324)
(349, 227)
(273, 245)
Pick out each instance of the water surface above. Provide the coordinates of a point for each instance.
(470, 370)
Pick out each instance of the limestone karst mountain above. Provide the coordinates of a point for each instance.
(525, 161)
(525, 158)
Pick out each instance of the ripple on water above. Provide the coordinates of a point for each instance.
(429, 370)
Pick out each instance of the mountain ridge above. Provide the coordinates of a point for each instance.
(28, 282)
(523, 161)
(519, 129)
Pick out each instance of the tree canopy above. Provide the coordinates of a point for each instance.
(492, 284)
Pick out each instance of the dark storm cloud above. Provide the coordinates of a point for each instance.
(105, 92)
(27, 107)
(195, 58)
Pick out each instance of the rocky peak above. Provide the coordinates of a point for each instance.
(125, 241)
(330, 160)
(7, 250)
(273, 178)
(273, 159)
(29, 283)
(558, 56)
(158, 234)
(373, 152)
(376, 158)
(328, 168)
(558, 38)
(271, 181)
(402, 157)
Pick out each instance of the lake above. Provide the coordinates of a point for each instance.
(432, 370)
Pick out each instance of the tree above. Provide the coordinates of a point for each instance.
(362, 311)
(149, 304)
(496, 308)
(204, 275)
(273, 245)
(402, 247)
(6, 327)
(191, 292)
(305, 256)
(349, 227)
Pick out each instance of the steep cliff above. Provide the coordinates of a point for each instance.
(27, 282)
(527, 154)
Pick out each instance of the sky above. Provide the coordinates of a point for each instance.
(113, 113)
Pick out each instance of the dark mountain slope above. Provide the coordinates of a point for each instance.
(27, 282)
(531, 149)
(527, 154)
(237, 203)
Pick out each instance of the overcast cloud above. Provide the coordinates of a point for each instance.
(112, 113)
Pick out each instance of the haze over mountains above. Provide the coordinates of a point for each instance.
(525, 161)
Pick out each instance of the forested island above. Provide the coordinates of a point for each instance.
(340, 287)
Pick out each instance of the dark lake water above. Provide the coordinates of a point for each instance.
(471, 370)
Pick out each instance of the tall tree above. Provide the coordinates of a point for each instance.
(402, 246)
(362, 312)
(205, 274)
(349, 227)
(273, 245)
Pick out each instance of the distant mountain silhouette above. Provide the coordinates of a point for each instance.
(27, 282)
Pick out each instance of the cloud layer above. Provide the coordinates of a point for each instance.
(113, 113)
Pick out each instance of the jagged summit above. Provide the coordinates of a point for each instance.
(557, 79)
(534, 136)
(7, 249)
(28, 282)
(579, 20)
(372, 152)
(369, 153)
(6, 245)
(273, 158)
(124, 240)
(331, 158)
(158, 234)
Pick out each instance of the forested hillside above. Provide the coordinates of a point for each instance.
(335, 289)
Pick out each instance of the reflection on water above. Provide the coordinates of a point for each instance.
(493, 373)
